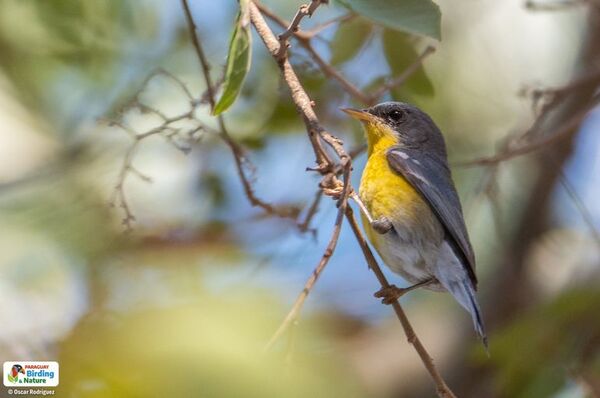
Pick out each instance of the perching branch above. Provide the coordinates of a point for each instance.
(442, 388)
(327, 168)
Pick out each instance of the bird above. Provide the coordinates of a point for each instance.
(411, 211)
(14, 373)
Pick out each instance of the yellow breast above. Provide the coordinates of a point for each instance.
(385, 192)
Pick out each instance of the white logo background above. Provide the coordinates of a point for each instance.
(50, 382)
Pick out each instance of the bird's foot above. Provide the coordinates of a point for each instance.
(333, 189)
(390, 294)
(382, 225)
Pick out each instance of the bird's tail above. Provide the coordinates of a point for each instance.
(464, 293)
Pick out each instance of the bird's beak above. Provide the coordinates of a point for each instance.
(22, 371)
(360, 115)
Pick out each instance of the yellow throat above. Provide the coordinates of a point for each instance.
(383, 191)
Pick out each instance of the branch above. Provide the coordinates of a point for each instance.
(312, 210)
(302, 101)
(309, 34)
(442, 388)
(563, 131)
(236, 150)
(328, 169)
(176, 136)
(535, 5)
(304, 39)
(303, 11)
(292, 316)
(585, 213)
(400, 79)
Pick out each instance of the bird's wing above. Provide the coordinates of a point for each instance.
(431, 177)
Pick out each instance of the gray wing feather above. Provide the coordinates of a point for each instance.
(430, 176)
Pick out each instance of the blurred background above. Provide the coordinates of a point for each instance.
(183, 302)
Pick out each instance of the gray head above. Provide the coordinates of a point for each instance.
(414, 127)
(411, 126)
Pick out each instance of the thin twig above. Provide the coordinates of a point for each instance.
(312, 210)
(535, 5)
(119, 198)
(304, 104)
(309, 34)
(304, 39)
(328, 69)
(236, 150)
(333, 73)
(174, 135)
(581, 207)
(292, 316)
(303, 11)
(400, 79)
(563, 131)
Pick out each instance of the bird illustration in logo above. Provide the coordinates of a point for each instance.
(14, 373)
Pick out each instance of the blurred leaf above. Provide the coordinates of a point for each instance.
(400, 54)
(212, 186)
(284, 117)
(422, 17)
(211, 348)
(534, 356)
(75, 47)
(238, 60)
(256, 142)
(69, 211)
(349, 38)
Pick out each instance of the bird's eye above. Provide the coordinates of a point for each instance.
(396, 115)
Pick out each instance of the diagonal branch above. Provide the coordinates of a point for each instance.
(312, 210)
(442, 388)
(304, 105)
(328, 169)
(563, 131)
(236, 150)
(304, 39)
(308, 34)
(292, 316)
(400, 79)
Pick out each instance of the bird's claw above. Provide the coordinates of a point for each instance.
(390, 294)
(382, 225)
(334, 189)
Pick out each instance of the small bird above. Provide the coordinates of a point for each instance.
(14, 373)
(411, 211)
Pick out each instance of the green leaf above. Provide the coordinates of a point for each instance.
(349, 38)
(238, 60)
(400, 54)
(421, 17)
